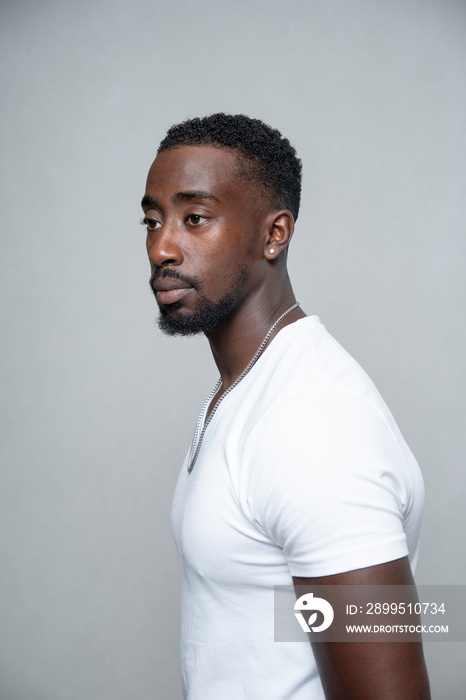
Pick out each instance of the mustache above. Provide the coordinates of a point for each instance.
(174, 275)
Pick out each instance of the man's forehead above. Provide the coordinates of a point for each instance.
(202, 163)
(219, 171)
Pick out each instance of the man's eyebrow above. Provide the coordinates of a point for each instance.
(148, 202)
(194, 194)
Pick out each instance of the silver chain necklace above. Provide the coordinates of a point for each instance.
(197, 438)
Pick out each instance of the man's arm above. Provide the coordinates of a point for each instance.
(370, 670)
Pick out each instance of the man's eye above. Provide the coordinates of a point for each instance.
(195, 219)
(151, 224)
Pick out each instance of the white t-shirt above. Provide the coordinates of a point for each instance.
(302, 472)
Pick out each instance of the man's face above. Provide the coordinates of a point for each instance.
(203, 238)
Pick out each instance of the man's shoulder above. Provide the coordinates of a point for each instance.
(305, 377)
(307, 360)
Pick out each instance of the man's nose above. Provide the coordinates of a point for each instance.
(163, 247)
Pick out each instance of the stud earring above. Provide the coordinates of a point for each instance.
(272, 250)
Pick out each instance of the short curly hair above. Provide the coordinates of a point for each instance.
(272, 162)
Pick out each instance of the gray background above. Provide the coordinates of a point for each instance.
(99, 407)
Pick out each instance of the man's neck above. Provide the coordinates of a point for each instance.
(235, 343)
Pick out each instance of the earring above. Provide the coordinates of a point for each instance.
(272, 250)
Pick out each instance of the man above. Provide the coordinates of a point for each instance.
(297, 471)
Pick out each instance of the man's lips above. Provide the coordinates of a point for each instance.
(168, 290)
(170, 295)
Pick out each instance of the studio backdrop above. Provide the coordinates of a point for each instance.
(98, 406)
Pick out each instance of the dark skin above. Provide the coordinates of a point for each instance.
(371, 670)
(236, 231)
(203, 222)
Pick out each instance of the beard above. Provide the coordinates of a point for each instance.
(208, 315)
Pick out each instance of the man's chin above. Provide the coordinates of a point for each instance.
(178, 326)
(207, 317)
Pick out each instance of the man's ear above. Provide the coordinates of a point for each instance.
(279, 233)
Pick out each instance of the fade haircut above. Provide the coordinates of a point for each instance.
(269, 160)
